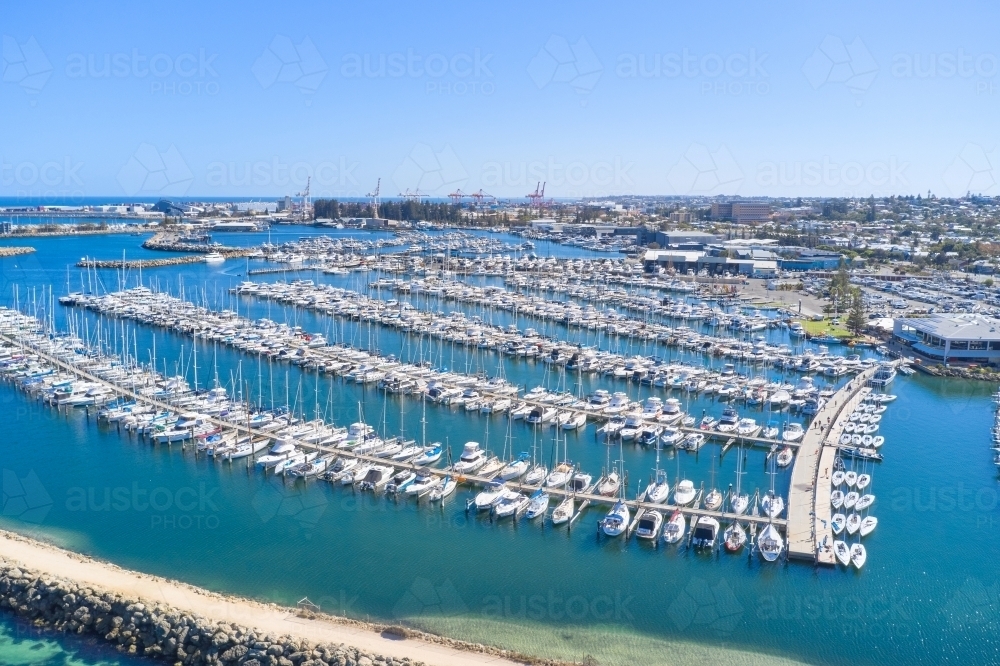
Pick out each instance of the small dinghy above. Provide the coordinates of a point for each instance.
(853, 523)
(850, 499)
(837, 522)
(837, 478)
(863, 481)
(858, 556)
(837, 499)
(863, 502)
(842, 552)
(868, 525)
(850, 478)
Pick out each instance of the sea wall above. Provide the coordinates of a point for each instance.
(161, 632)
(184, 638)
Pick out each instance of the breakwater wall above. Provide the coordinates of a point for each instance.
(172, 243)
(14, 251)
(138, 263)
(170, 635)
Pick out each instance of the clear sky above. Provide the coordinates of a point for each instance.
(596, 98)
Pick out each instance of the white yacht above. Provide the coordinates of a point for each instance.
(684, 492)
(705, 532)
(473, 457)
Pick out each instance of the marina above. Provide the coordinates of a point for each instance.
(809, 496)
(360, 345)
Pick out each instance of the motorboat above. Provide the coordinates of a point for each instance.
(729, 420)
(747, 428)
(425, 480)
(684, 493)
(377, 477)
(579, 482)
(649, 524)
(671, 436)
(473, 457)
(489, 495)
(704, 532)
(510, 503)
(400, 481)
(793, 432)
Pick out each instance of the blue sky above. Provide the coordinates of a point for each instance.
(781, 99)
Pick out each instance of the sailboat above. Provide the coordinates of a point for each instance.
(842, 552)
(738, 501)
(770, 543)
(617, 519)
(713, 500)
(658, 491)
(858, 556)
(735, 536)
(538, 504)
(674, 529)
(537, 472)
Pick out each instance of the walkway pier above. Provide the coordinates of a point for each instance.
(810, 536)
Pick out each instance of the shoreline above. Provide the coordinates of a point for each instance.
(25, 558)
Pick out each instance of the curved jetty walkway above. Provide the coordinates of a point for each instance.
(810, 536)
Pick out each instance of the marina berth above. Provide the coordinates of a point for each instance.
(620, 345)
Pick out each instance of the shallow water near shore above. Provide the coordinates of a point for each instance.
(24, 645)
(928, 594)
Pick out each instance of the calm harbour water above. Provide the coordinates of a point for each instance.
(928, 594)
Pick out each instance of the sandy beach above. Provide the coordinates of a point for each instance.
(267, 618)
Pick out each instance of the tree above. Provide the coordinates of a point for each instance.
(840, 285)
(856, 317)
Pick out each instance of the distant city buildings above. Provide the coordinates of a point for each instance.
(741, 212)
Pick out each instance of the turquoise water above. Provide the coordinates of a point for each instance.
(928, 594)
(24, 645)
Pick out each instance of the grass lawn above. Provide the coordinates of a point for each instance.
(821, 327)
